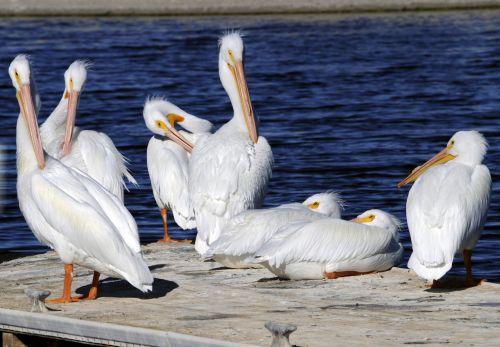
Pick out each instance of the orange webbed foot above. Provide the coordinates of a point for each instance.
(63, 300)
(334, 275)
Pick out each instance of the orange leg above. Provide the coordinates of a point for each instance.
(469, 280)
(166, 237)
(334, 275)
(92, 295)
(68, 279)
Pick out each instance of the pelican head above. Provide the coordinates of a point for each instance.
(232, 76)
(160, 117)
(380, 219)
(20, 73)
(75, 77)
(465, 147)
(74, 80)
(329, 204)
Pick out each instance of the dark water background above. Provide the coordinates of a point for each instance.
(349, 103)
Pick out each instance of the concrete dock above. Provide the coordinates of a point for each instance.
(225, 7)
(202, 299)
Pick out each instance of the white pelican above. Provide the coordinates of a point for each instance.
(332, 248)
(447, 206)
(89, 151)
(229, 170)
(246, 232)
(68, 211)
(168, 159)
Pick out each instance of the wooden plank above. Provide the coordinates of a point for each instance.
(192, 297)
(11, 340)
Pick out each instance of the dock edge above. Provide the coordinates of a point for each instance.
(82, 331)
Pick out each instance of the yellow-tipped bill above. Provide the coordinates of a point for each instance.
(28, 111)
(440, 158)
(73, 99)
(314, 205)
(246, 104)
(362, 220)
(174, 118)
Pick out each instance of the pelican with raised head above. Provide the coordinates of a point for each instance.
(447, 206)
(229, 171)
(331, 248)
(168, 159)
(89, 151)
(246, 232)
(67, 210)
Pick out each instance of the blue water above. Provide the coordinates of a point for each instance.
(349, 103)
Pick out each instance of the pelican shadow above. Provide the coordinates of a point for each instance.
(118, 288)
(448, 284)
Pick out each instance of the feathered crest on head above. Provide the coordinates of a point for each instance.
(230, 32)
(329, 195)
(155, 98)
(152, 102)
(336, 196)
(86, 63)
(23, 56)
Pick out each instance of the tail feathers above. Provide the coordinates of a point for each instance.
(209, 226)
(146, 288)
(183, 221)
(429, 271)
(138, 274)
(200, 245)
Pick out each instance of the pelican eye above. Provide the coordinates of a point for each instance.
(314, 205)
(231, 54)
(18, 78)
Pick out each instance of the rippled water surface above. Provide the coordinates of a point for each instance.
(349, 103)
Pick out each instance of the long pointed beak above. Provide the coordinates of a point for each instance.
(28, 111)
(73, 99)
(356, 220)
(246, 103)
(440, 158)
(177, 137)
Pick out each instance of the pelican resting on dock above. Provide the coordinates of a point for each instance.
(447, 206)
(67, 210)
(332, 248)
(168, 159)
(89, 151)
(246, 232)
(229, 171)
